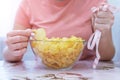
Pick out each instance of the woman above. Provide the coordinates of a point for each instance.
(60, 18)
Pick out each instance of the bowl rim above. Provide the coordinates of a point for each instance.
(60, 40)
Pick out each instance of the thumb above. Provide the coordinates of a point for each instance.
(28, 31)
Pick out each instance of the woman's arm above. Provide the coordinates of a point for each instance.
(103, 21)
(17, 41)
(106, 47)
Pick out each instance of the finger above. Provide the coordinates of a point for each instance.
(19, 52)
(103, 14)
(103, 20)
(104, 7)
(93, 18)
(16, 39)
(19, 32)
(17, 46)
(102, 27)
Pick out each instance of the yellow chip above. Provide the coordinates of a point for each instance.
(40, 34)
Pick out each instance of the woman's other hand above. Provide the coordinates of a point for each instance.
(103, 20)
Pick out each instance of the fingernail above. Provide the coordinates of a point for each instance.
(29, 30)
(32, 36)
(105, 7)
(94, 9)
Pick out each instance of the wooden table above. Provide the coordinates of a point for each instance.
(31, 70)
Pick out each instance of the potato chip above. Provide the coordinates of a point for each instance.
(40, 34)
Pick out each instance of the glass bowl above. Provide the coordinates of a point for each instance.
(57, 54)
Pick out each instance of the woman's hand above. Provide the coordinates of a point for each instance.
(17, 41)
(103, 20)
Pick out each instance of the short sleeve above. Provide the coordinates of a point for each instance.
(23, 15)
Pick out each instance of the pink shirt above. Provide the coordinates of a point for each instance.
(58, 18)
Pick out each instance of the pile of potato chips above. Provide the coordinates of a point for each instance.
(57, 53)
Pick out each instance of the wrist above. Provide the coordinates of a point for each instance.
(10, 56)
(106, 33)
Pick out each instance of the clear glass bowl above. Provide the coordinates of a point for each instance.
(57, 54)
